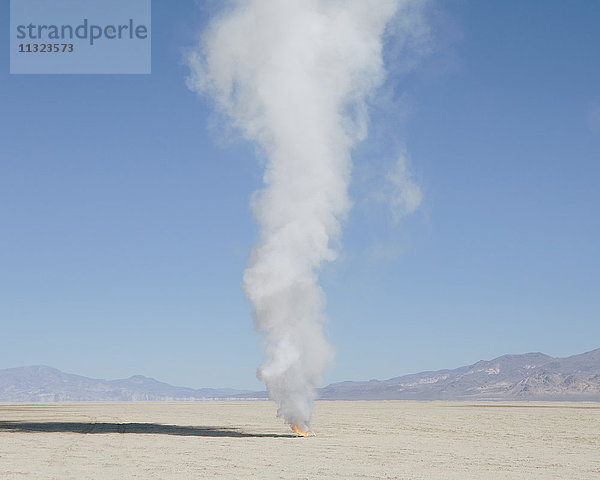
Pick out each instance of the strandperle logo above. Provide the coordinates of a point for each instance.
(83, 31)
(80, 36)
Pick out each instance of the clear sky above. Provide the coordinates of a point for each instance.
(125, 226)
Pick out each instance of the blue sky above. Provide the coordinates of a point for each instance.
(125, 226)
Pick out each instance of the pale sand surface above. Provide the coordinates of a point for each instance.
(374, 440)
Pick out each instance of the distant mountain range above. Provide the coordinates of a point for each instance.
(46, 384)
(531, 376)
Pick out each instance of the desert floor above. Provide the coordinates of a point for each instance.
(243, 440)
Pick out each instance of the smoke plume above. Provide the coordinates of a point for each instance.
(294, 77)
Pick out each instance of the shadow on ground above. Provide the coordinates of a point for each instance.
(139, 428)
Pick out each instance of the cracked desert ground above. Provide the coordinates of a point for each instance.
(243, 440)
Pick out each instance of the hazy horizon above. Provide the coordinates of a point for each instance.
(262, 388)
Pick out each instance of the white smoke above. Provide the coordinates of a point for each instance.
(405, 195)
(294, 76)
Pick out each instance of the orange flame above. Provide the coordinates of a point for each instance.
(302, 433)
